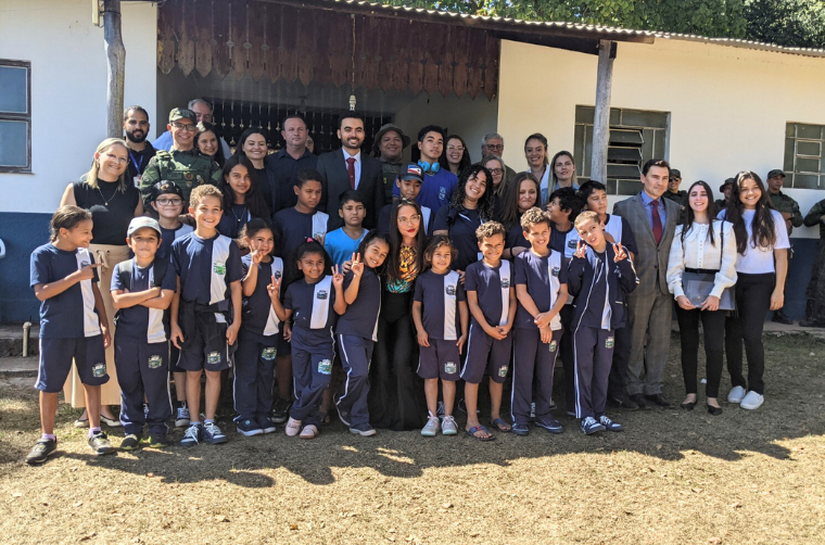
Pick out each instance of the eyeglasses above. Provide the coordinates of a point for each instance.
(412, 220)
(169, 202)
(495, 147)
(185, 127)
(455, 148)
(495, 171)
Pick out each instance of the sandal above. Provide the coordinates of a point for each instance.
(500, 425)
(475, 429)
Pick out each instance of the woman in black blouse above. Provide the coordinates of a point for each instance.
(252, 145)
(113, 202)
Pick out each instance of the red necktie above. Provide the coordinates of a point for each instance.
(657, 222)
(351, 171)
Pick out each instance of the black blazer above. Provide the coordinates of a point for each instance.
(333, 169)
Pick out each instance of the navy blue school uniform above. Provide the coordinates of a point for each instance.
(439, 294)
(257, 345)
(492, 286)
(233, 220)
(462, 225)
(69, 325)
(543, 276)
(565, 242)
(600, 285)
(356, 332)
(313, 318)
(168, 236)
(295, 227)
(515, 238)
(206, 268)
(142, 349)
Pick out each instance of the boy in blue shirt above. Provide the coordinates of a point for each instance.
(209, 271)
(72, 325)
(599, 276)
(344, 241)
(439, 184)
(142, 289)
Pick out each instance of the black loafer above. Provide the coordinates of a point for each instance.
(623, 401)
(714, 411)
(640, 400)
(660, 400)
(688, 406)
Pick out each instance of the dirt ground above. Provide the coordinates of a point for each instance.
(673, 477)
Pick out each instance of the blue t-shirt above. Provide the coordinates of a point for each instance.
(294, 227)
(436, 191)
(543, 277)
(257, 313)
(168, 236)
(492, 286)
(313, 315)
(340, 246)
(515, 238)
(361, 317)
(462, 227)
(206, 267)
(233, 220)
(140, 323)
(440, 294)
(70, 314)
(564, 242)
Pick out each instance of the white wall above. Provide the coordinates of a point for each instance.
(68, 78)
(728, 106)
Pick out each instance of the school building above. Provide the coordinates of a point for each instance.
(711, 107)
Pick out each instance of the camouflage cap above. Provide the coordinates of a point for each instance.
(675, 173)
(776, 172)
(182, 113)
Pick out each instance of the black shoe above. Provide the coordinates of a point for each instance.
(41, 451)
(660, 400)
(622, 400)
(714, 411)
(779, 317)
(640, 401)
(811, 323)
(688, 406)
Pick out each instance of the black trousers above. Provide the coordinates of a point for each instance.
(621, 355)
(713, 325)
(753, 300)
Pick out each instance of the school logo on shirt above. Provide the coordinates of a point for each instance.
(502, 371)
(219, 267)
(325, 367)
(555, 271)
(505, 283)
(608, 342)
(552, 346)
(99, 370)
(450, 368)
(155, 362)
(572, 244)
(269, 353)
(450, 289)
(213, 358)
(84, 263)
(442, 194)
(277, 275)
(322, 294)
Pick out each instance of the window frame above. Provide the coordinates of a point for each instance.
(790, 163)
(25, 117)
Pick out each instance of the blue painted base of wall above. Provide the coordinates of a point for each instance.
(799, 274)
(21, 233)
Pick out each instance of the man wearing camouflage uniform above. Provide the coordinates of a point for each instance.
(815, 306)
(789, 209)
(183, 165)
(674, 193)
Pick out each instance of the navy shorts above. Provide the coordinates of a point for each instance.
(56, 356)
(439, 360)
(485, 353)
(206, 354)
(174, 359)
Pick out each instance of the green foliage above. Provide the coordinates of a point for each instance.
(798, 23)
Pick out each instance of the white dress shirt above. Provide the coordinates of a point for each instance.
(696, 252)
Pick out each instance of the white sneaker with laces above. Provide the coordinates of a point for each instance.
(752, 401)
(449, 426)
(736, 394)
(431, 428)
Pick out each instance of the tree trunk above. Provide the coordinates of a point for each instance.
(601, 117)
(116, 63)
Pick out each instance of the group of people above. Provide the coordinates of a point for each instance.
(385, 291)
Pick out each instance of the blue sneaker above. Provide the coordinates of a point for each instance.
(590, 426)
(550, 424)
(520, 429)
(609, 424)
(248, 427)
(266, 424)
(213, 435)
(192, 436)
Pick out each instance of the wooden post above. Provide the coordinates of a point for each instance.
(601, 117)
(116, 63)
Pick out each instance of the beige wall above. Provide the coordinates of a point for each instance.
(728, 106)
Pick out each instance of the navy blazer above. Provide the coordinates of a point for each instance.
(333, 169)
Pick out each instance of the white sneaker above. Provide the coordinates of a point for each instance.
(752, 401)
(431, 428)
(736, 394)
(449, 426)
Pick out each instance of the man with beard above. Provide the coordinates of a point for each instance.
(136, 126)
(285, 164)
(390, 142)
(348, 168)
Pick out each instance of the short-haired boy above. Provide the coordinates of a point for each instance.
(439, 183)
(492, 301)
(341, 243)
(541, 290)
(599, 276)
(142, 289)
(209, 271)
(408, 183)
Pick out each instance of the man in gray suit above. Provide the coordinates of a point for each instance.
(653, 221)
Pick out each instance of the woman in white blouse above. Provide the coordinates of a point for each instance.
(702, 245)
(761, 266)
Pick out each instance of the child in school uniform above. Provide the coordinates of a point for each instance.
(491, 298)
(72, 325)
(206, 310)
(357, 329)
(257, 340)
(312, 303)
(243, 198)
(600, 275)
(341, 243)
(142, 290)
(441, 319)
(408, 182)
(541, 290)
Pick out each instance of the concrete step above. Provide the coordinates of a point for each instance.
(18, 366)
(11, 339)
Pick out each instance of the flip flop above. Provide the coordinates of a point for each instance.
(500, 425)
(472, 432)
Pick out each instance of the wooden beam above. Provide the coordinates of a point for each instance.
(601, 117)
(115, 67)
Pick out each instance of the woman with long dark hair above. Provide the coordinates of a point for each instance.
(208, 142)
(761, 267)
(521, 195)
(456, 157)
(535, 151)
(564, 170)
(396, 397)
(702, 247)
(242, 199)
(253, 145)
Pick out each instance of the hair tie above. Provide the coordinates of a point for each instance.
(309, 239)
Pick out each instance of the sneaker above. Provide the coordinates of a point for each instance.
(520, 429)
(158, 440)
(192, 436)
(81, 423)
(591, 426)
(364, 430)
(736, 394)
(550, 424)
(780, 318)
(130, 442)
(752, 401)
(100, 444)
(41, 451)
(448, 426)
(182, 417)
(293, 427)
(431, 428)
(266, 424)
(343, 415)
(213, 435)
(609, 425)
(310, 431)
(462, 406)
(280, 411)
(248, 428)
(111, 422)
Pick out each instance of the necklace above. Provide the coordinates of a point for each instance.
(111, 198)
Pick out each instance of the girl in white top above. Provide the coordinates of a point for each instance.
(702, 244)
(761, 265)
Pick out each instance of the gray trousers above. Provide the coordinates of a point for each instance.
(649, 323)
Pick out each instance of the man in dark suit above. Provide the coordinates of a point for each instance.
(348, 168)
(653, 221)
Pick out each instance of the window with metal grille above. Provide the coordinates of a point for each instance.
(804, 162)
(15, 116)
(636, 136)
